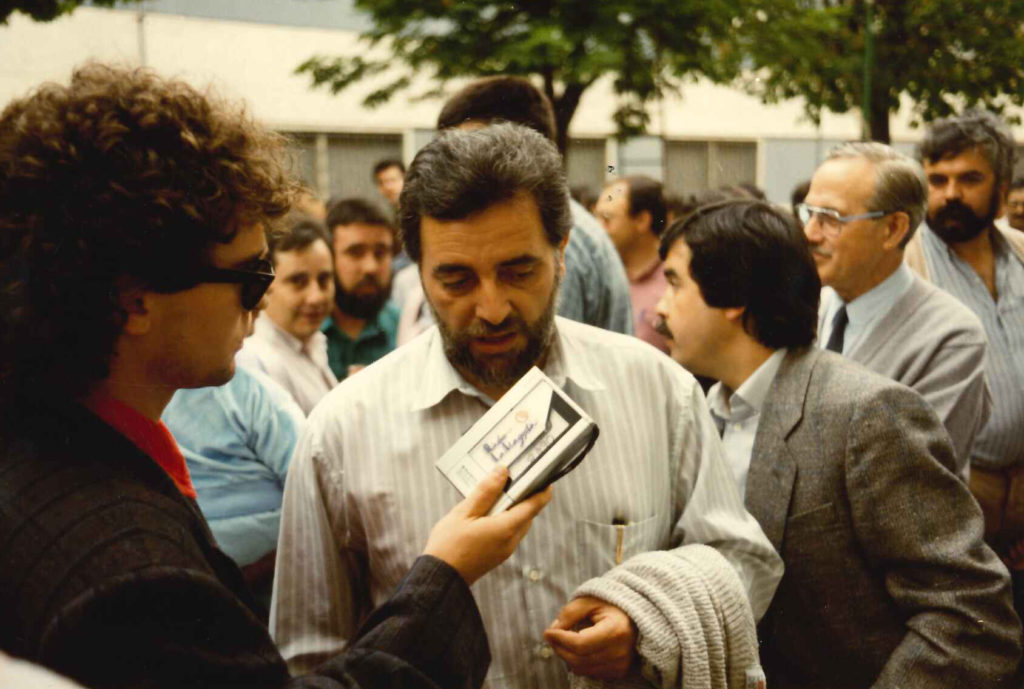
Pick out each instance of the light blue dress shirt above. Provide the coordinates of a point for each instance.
(238, 440)
(738, 413)
(864, 311)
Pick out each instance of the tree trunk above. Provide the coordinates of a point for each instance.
(880, 123)
(565, 107)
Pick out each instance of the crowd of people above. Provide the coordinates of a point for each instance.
(221, 402)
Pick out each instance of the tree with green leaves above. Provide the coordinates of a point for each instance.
(839, 55)
(48, 10)
(648, 47)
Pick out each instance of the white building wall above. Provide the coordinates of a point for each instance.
(255, 62)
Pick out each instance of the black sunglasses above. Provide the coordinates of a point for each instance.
(254, 281)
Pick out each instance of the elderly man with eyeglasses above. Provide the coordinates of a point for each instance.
(864, 204)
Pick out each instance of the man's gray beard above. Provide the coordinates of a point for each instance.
(538, 341)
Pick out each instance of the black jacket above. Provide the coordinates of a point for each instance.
(110, 576)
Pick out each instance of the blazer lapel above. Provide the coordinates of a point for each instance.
(773, 468)
(881, 334)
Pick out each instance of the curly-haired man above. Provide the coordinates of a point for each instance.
(132, 262)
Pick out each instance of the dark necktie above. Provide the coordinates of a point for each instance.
(835, 340)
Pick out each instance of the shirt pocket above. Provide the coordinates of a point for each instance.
(601, 546)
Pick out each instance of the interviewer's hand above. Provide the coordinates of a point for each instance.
(604, 648)
(474, 543)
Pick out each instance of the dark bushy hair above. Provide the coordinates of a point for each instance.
(951, 136)
(464, 172)
(646, 194)
(504, 98)
(119, 176)
(746, 253)
(356, 211)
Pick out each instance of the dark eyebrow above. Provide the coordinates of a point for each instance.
(524, 260)
(449, 269)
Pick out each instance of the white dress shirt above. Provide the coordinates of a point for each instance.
(864, 311)
(300, 367)
(363, 493)
(737, 414)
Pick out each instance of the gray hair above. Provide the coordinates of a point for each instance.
(951, 136)
(900, 183)
(464, 172)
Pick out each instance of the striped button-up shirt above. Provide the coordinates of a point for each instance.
(363, 493)
(1000, 442)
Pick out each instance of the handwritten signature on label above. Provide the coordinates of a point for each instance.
(502, 445)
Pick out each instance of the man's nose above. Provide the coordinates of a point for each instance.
(492, 303)
(952, 190)
(812, 230)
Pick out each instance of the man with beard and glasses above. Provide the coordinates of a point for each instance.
(968, 161)
(363, 323)
(286, 343)
(485, 215)
(863, 206)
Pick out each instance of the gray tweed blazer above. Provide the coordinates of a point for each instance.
(888, 582)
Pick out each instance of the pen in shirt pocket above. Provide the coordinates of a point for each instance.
(620, 535)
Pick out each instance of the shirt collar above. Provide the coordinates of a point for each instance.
(267, 329)
(749, 398)
(566, 361)
(880, 298)
(370, 329)
(152, 437)
(650, 272)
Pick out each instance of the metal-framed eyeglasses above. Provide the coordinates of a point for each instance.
(830, 220)
(255, 281)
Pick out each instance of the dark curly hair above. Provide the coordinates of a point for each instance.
(121, 178)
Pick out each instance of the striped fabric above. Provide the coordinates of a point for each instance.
(1000, 442)
(362, 495)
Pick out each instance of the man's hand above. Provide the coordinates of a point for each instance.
(604, 648)
(473, 543)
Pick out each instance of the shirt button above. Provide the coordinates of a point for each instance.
(545, 652)
(534, 575)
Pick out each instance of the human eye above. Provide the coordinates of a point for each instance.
(971, 178)
(519, 273)
(937, 180)
(456, 283)
(298, 281)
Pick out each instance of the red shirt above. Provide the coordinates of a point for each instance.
(152, 437)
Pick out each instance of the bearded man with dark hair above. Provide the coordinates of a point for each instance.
(132, 261)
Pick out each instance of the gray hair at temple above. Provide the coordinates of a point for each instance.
(951, 136)
(464, 172)
(900, 182)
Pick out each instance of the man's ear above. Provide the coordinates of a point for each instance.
(735, 313)
(137, 305)
(561, 253)
(642, 221)
(1004, 197)
(897, 226)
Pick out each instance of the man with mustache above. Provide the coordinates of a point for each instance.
(888, 582)
(863, 206)
(363, 324)
(968, 161)
(286, 343)
(485, 214)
